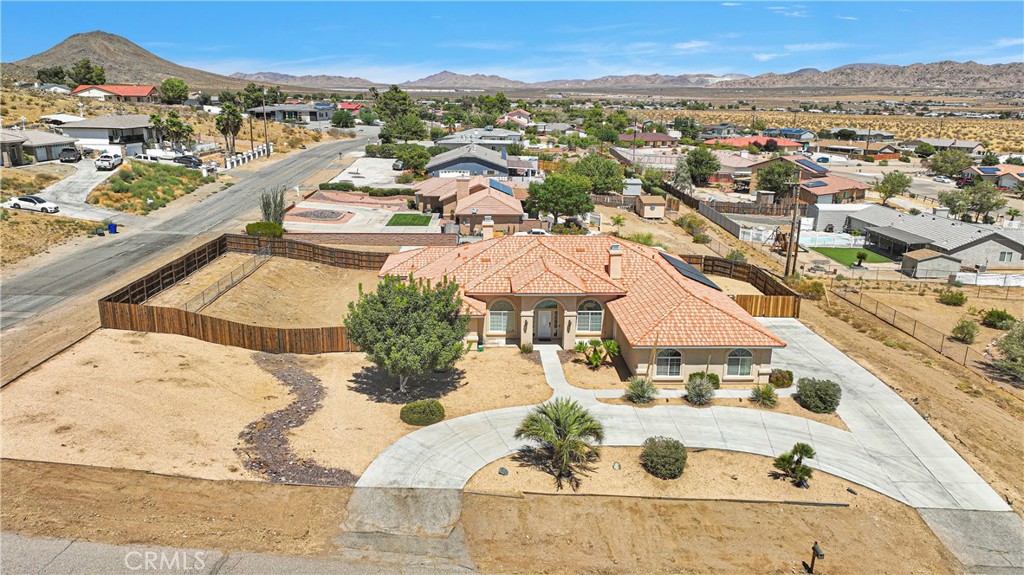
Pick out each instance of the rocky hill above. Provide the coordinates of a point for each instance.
(641, 81)
(309, 81)
(937, 75)
(448, 79)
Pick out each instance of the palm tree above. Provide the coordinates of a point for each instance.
(618, 222)
(568, 433)
(1013, 213)
(228, 123)
(792, 465)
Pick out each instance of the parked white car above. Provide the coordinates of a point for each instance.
(108, 161)
(34, 203)
(145, 158)
(942, 180)
(533, 232)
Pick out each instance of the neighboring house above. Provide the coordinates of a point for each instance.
(520, 117)
(495, 139)
(440, 195)
(862, 135)
(668, 319)
(525, 166)
(970, 147)
(54, 88)
(732, 166)
(925, 263)
(974, 244)
(118, 92)
(853, 148)
(632, 187)
(42, 146)
(651, 207)
(798, 134)
(11, 148)
(119, 134)
(504, 211)
(652, 139)
(353, 107)
(723, 130)
(294, 113)
(471, 160)
(549, 127)
(816, 185)
(783, 144)
(60, 119)
(1003, 175)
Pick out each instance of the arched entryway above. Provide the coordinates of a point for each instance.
(545, 318)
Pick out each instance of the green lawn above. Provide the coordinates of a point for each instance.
(409, 220)
(848, 256)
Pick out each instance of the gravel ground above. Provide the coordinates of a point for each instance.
(266, 450)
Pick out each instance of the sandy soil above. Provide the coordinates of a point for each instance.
(24, 234)
(733, 287)
(359, 417)
(669, 235)
(613, 535)
(293, 293)
(155, 402)
(204, 277)
(612, 375)
(362, 248)
(134, 507)
(927, 310)
(786, 405)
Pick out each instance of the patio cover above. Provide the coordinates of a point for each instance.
(899, 236)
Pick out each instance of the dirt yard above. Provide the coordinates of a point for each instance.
(786, 405)
(359, 417)
(293, 293)
(25, 234)
(154, 402)
(927, 310)
(32, 179)
(193, 285)
(665, 233)
(613, 375)
(733, 287)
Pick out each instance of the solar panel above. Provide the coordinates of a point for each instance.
(811, 166)
(989, 170)
(500, 187)
(815, 184)
(688, 271)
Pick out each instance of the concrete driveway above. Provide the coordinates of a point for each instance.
(71, 192)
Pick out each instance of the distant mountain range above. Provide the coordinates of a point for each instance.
(126, 62)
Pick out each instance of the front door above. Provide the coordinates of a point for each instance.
(545, 323)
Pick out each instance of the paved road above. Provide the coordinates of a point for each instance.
(32, 292)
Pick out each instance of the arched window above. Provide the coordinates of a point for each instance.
(669, 363)
(547, 304)
(739, 362)
(500, 317)
(589, 316)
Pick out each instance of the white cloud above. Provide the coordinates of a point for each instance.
(847, 18)
(794, 12)
(731, 4)
(1007, 42)
(494, 46)
(815, 47)
(763, 57)
(691, 46)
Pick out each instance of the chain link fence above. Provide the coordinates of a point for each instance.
(210, 294)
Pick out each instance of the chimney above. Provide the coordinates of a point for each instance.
(615, 262)
(461, 188)
(487, 228)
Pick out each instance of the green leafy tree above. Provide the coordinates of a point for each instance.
(405, 127)
(619, 120)
(409, 328)
(990, 159)
(950, 162)
(1011, 348)
(368, 117)
(413, 156)
(229, 97)
(687, 127)
(515, 149)
(393, 104)
(845, 134)
(83, 72)
(703, 164)
(958, 201)
(173, 91)
(343, 119)
(777, 177)
(984, 198)
(560, 195)
(605, 175)
(681, 178)
(605, 133)
(925, 150)
(892, 185)
(51, 75)
(229, 123)
(568, 435)
(1015, 160)
(758, 125)
(791, 463)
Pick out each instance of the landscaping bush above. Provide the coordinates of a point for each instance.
(422, 412)
(736, 256)
(818, 395)
(905, 159)
(640, 390)
(781, 378)
(998, 319)
(526, 347)
(702, 239)
(699, 390)
(406, 178)
(339, 186)
(264, 230)
(712, 377)
(952, 297)
(663, 457)
(764, 395)
(914, 212)
(965, 330)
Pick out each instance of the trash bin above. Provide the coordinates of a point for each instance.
(480, 346)
(99, 232)
(112, 228)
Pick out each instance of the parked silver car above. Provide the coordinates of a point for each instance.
(108, 161)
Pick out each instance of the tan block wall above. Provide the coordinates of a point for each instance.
(697, 360)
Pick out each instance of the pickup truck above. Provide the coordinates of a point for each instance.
(108, 161)
(70, 154)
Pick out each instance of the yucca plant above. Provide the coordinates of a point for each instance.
(595, 352)
(764, 395)
(640, 390)
(791, 464)
(568, 434)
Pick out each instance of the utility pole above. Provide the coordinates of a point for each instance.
(266, 134)
(794, 231)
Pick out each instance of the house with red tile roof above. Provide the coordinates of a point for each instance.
(118, 92)
(816, 184)
(354, 107)
(783, 144)
(669, 319)
(441, 194)
(653, 139)
(518, 116)
(504, 211)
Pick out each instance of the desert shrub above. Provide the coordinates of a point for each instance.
(702, 239)
(699, 390)
(781, 378)
(998, 319)
(712, 377)
(818, 395)
(640, 390)
(764, 395)
(264, 230)
(914, 212)
(736, 256)
(952, 297)
(905, 159)
(1011, 350)
(869, 159)
(883, 163)
(422, 412)
(965, 330)
(526, 347)
(663, 457)
(406, 178)
(338, 186)
(569, 229)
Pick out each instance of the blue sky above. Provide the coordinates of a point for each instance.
(394, 42)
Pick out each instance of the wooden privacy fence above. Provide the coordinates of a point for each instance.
(777, 299)
(123, 309)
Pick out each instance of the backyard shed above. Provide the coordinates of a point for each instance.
(925, 263)
(650, 207)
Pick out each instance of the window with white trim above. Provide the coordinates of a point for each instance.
(589, 316)
(669, 363)
(739, 362)
(500, 317)
(1006, 256)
